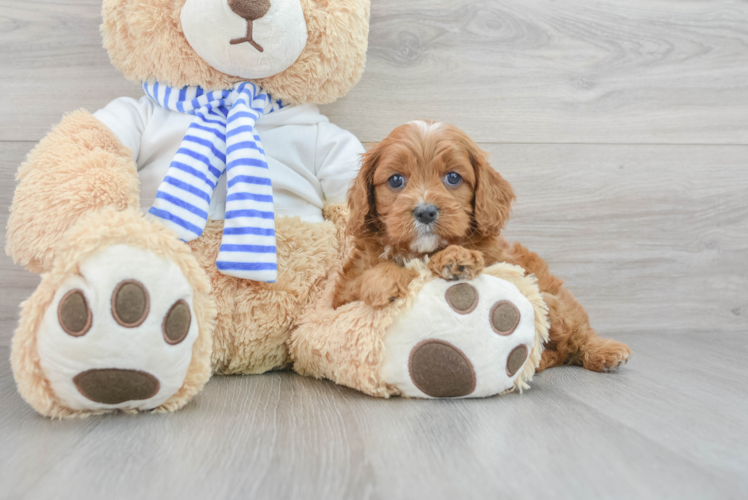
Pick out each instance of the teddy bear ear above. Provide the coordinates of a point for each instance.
(202, 43)
(335, 53)
(146, 41)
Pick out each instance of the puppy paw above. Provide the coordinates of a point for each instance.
(457, 263)
(549, 360)
(606, 356)
(380, 286)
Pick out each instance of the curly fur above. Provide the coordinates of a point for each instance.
(465, 236)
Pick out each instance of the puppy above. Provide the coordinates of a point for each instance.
(428, 190)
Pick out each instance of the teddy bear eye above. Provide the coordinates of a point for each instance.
(396, 181)
(453, 179)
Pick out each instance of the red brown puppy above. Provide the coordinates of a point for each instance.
(428, 190)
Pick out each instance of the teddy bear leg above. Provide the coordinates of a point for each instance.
(123, 321)
(446, 339)
(255, 320)
(78, 168)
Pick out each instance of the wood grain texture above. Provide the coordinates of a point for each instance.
(661, 428)
(576, 102)
(53, 63)
(610, 71)
(649, 238)
(15, 283)
(660, 71)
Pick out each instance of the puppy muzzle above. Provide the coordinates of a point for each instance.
(426, 213)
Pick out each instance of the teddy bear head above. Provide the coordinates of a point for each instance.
(301, 51)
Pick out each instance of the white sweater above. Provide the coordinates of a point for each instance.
(311, 160)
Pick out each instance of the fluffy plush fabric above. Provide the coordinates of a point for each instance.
(96, 171)
(79, 167)
(346, 345)
(255, 319)
(145, 41)
(451, 346)
(93, 232)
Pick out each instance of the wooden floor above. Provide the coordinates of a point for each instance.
(623, 126)
(671, 425)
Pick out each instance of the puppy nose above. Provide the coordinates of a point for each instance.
(426, 214)
(250, 10)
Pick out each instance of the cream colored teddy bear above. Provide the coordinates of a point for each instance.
(127, 316)
(227, 152)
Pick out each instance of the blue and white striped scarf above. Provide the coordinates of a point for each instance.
(222, 138)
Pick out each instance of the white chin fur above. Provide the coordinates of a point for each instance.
(210, 25)
(425, 244)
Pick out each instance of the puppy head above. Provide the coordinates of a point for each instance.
(427, 186)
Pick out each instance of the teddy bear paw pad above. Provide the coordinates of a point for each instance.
(469, 339)
(119, 334)
(441, 370)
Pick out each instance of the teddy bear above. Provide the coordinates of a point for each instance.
(199, 229)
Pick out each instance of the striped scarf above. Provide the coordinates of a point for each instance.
(222, 138)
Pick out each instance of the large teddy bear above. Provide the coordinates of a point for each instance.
(199, 229)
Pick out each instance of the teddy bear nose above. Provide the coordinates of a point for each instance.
(425, 214)
(250, 10)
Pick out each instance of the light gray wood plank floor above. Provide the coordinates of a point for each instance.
(623, 126)
(671, 425)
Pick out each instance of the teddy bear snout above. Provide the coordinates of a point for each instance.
(251, 10)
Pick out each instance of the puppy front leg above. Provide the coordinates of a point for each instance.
(384, 283)
(457, 263)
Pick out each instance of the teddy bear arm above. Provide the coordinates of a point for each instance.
(79, 167)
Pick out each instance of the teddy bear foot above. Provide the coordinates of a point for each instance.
(119, 335)
(470, 339)
(123, 321)
(446, 339)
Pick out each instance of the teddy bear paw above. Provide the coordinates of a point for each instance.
(470, 339)
(119, 334)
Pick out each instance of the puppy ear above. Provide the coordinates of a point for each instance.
(361, 201)
(493, 195)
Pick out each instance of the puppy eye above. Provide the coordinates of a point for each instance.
(453, 179)
(396, 181)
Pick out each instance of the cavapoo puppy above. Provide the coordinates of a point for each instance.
(428, 190)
